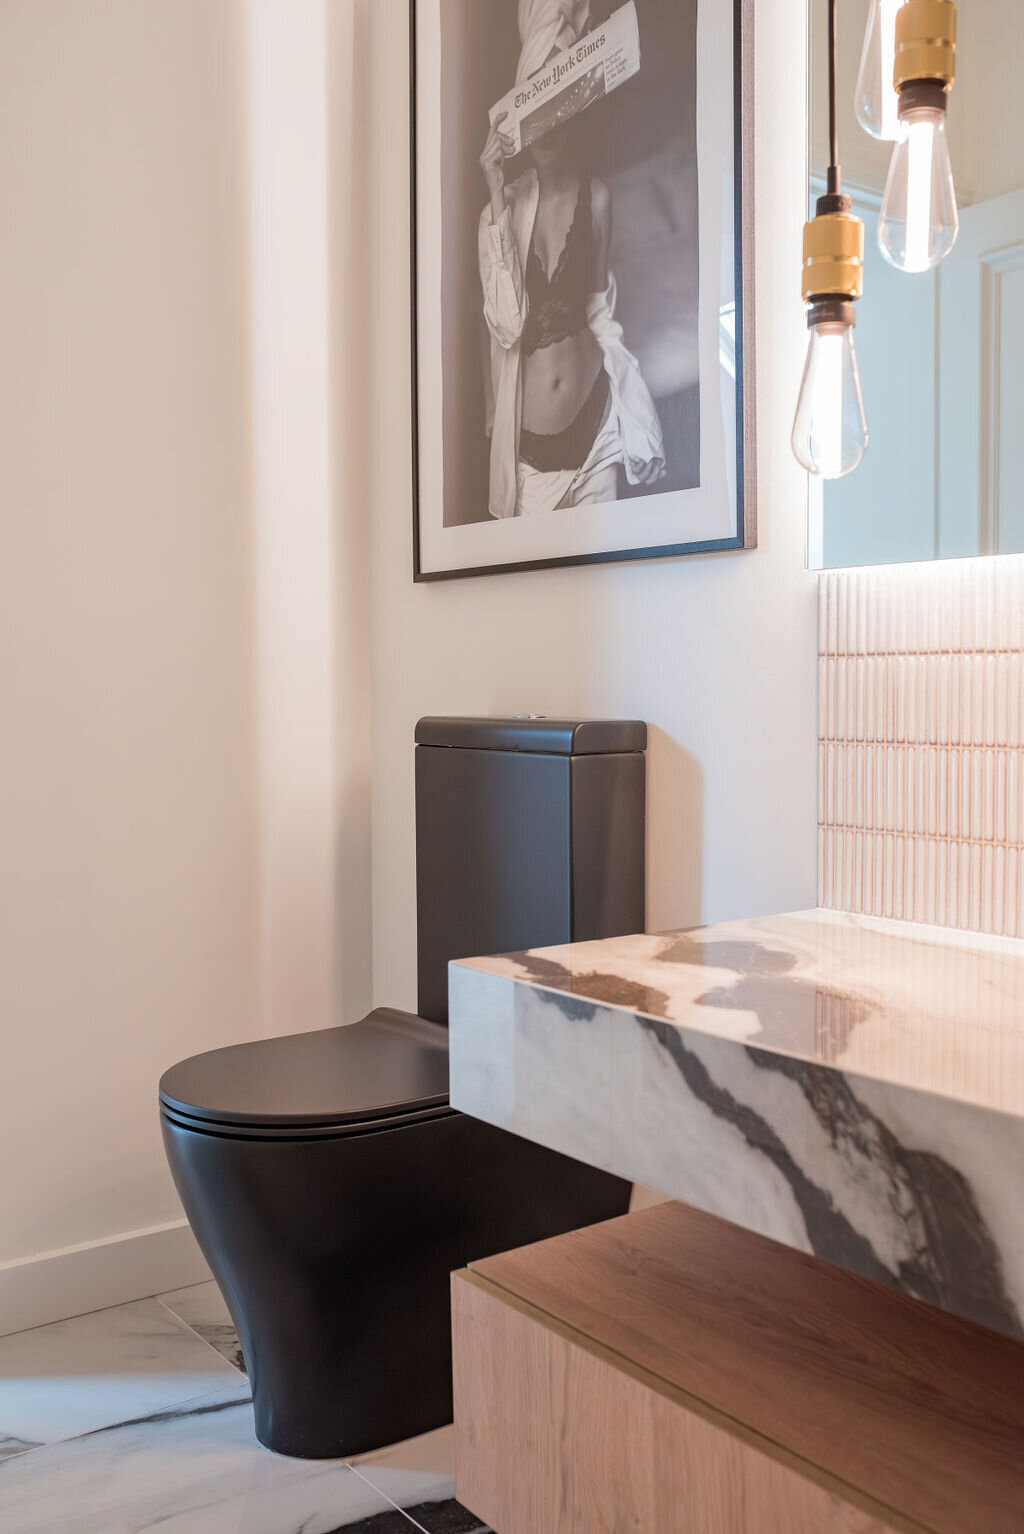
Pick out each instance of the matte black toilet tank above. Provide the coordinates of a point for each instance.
(529, 832)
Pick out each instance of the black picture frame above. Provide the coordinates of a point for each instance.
(745, 536)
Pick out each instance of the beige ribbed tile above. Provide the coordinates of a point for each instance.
(921, 754)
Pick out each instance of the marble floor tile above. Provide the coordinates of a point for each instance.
(419, 1477)
(202, 1307)
(195, 1468)
(430, 1453)
(72, 1377)
(10, 1446)
(448, 1517)
(420, 1470)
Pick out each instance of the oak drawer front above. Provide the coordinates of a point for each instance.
(667, 1371)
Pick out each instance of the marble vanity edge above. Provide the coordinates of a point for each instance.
(627, 1009)
(897, 1183)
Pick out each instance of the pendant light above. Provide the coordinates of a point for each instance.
(918, 224)
(875, 98)
(830, 433)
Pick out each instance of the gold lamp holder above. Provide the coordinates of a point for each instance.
(833, 265)
(833, 252)
(925, 50)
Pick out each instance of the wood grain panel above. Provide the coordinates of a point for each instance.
(922, 1412)
(552, 1437)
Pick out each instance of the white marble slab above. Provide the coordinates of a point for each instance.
(850, 1086)
(202, 1308)
(193, 1469)
(72, 1377)
(419, 1477)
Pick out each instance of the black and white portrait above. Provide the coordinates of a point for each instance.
(561, 313)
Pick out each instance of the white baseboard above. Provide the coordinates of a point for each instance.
(51, 1286)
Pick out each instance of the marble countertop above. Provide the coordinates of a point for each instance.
(849, 1085)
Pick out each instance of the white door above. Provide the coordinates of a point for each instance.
(981, 382)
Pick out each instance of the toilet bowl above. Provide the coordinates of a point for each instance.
(330, 1184)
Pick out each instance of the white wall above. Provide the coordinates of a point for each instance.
(716, 652)
(309, 512)
(128, 820)
(184, 788)
(985, 139)
(199, 442)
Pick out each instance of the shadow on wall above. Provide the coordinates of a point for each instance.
(675, 864)
(350, 412)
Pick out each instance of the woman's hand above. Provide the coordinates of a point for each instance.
(498, 148)
(648, 472)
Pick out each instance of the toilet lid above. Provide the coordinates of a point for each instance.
(392, 1063)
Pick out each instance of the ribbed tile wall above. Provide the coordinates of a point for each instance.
(920, 744)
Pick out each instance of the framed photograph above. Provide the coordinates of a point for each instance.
(582, 282)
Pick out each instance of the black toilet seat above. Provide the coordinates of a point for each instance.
(389, 1070)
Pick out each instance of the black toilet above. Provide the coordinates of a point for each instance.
(329, 1183)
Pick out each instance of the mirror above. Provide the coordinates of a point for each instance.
(941, 353)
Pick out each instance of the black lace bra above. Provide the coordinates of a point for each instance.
(558, 307)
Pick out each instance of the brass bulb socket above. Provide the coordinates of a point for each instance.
(833, 256)
(925, 42)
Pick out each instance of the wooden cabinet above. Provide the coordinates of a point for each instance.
(668, 1373)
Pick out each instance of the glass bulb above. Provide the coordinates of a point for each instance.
(830, 433)
(876, 99)
(919, 222)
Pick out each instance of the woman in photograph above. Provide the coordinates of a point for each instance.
(570, 404)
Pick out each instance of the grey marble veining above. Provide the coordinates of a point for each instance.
(447, 1517)
(194, 1468)
(9, 1445)
(71, 1377)
(202, 1308)
(850, 1086)
(118, 1451)
(419, 1477)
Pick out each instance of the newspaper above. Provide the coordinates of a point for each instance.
(570, 81)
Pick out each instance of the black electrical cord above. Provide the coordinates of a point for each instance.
(833, 127)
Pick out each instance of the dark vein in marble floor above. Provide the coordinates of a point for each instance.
(10, 1447)
(204, 1408)
(390, 1522)
(222, 1337)
(446, 1518)
(434, 1517)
